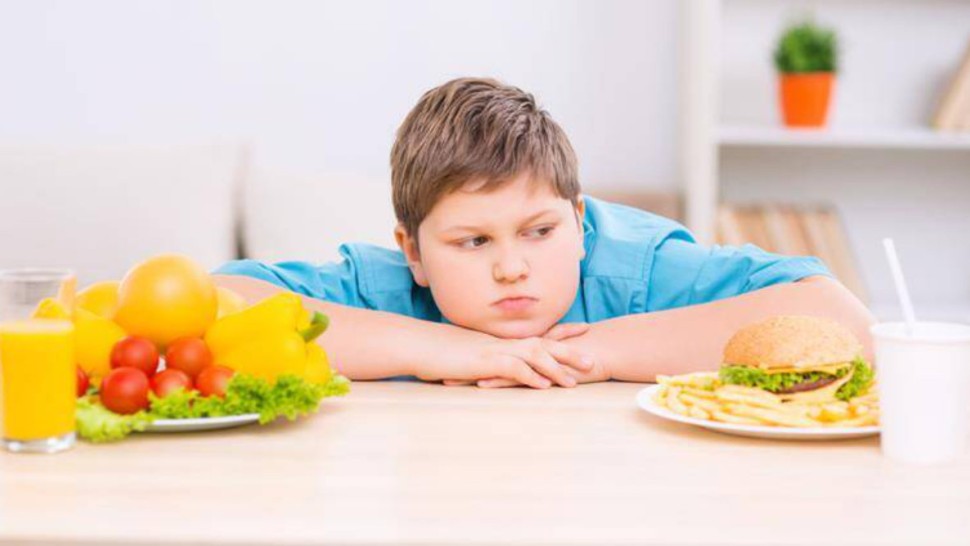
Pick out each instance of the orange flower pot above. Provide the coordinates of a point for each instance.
(804, 98)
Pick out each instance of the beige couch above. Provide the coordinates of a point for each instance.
(99, 210)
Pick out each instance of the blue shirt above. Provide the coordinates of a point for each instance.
(636, 262)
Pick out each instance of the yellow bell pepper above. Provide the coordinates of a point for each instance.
(266, 340)
(317, 365)
(94, 336)
(275, 313)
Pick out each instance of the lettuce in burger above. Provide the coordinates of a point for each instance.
(799, 358)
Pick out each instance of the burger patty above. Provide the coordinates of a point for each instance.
(809, 385)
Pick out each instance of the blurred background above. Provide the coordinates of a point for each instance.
(262, 129)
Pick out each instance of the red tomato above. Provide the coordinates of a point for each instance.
(189, 354)
(135, 352)
(169, 380)
(213, 380)
(125, 390)
(82, 382)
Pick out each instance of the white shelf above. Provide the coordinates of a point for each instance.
(918, 138)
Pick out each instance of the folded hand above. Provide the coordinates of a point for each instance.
(546, 359)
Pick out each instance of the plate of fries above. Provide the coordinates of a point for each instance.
(701, 399)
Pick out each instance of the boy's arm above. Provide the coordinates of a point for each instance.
(639, 347)
(365, 344)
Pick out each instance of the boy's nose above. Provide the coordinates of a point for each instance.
(510, 269)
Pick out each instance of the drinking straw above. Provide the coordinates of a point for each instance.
(900, 282)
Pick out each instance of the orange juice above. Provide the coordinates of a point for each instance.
(37, 379)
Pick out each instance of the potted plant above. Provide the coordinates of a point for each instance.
(806, 60)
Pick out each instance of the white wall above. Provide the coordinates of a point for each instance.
(322, 86)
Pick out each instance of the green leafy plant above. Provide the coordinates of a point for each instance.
(806, 47)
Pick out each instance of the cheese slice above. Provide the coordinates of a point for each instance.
(831, 368)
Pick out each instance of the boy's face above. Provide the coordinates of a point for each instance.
(505, 262)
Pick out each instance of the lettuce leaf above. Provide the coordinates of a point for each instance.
(754, 377)
(290, 396)
(860, 382)
(96, 423)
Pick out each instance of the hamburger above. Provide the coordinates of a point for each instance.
(798, 358)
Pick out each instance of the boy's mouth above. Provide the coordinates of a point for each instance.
(515, 304)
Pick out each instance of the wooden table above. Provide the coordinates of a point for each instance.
(403, 462)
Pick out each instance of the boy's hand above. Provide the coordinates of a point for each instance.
(559, 332)
(546, 359)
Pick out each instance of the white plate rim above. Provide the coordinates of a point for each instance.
(201, 423)
(645, 401)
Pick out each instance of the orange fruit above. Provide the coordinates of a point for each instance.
(166, 297)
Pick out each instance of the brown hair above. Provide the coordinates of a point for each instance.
(473, 129)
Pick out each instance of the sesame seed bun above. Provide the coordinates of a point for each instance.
(800, 342)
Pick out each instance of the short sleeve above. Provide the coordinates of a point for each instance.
(368, 277)
(687, 273)
(335, 282)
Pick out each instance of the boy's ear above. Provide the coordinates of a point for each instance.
(409, 246)
(580, 216)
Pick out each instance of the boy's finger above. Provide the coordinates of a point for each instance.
(456, 382)
(497, 383)
(568, 356)
(560, 332)
(520, 371)
(544, 363)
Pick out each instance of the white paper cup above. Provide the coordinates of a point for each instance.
(924, 390)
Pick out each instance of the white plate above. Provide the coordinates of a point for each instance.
(202, 423)
(645, 401)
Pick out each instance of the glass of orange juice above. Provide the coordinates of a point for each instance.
(37, 369)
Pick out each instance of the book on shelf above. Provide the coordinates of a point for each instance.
(815, 230)
(953, 113)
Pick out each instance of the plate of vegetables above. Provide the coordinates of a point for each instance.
(268, 375)
(246, 400)
(165, 350)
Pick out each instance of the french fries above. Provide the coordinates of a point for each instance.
(703, 396)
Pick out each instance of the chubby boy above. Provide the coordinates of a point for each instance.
(507, 275)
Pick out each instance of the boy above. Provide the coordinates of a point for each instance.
(508, 276)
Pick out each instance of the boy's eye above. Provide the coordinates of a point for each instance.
(473, 242)
(539, 231)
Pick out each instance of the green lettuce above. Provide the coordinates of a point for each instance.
(290, 396)
(96, 423)
(754, 377)
(860, 382)
(774, 382)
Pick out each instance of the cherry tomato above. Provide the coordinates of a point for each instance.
(125, 390)
(213, 380)
(169, 380)
(135, 352)
(189, 354)
(82, 382)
